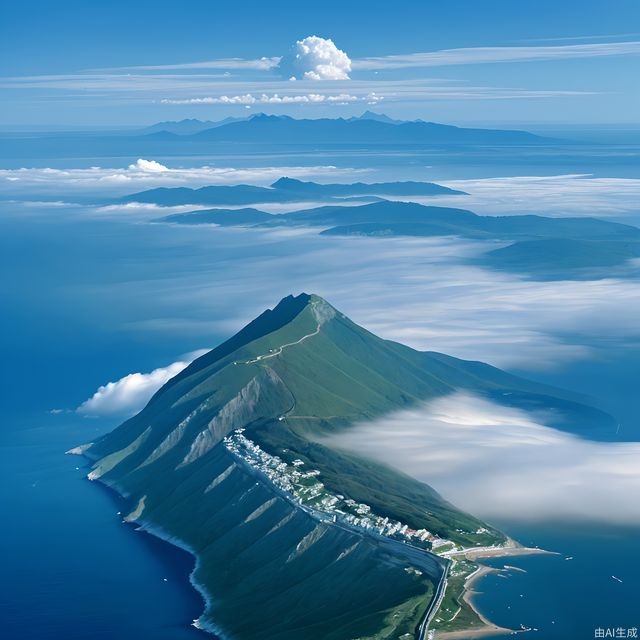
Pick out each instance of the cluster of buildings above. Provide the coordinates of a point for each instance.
(303, 486)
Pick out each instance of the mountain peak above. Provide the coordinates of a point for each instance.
(231, 458)
(378, 117)
(267, 322)
(265, 117)
(286, 183)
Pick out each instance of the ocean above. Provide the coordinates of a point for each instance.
(91, 294)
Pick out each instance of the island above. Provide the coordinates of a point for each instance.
(293, 537)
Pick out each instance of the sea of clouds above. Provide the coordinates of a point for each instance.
(415, 291)
(503, 463)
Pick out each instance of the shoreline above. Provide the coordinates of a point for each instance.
(488, 628)
(139, 524)
(157, 532)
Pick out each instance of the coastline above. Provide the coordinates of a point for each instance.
(140, 524)
(157, 532)
(487, 628)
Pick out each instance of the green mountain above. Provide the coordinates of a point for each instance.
(294, 539)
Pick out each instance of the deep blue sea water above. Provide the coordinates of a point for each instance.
(88, 299)
(566, 598)
(70, 567)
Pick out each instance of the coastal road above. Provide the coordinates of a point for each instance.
(427, 561)
(423, 627)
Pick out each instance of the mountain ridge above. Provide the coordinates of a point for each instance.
(230, 459)
(262, 129)
(284, 189)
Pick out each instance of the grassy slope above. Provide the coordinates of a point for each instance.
(329, 380)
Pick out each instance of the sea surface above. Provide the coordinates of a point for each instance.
(90, 296)
(591, 584)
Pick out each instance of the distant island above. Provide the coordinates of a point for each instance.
(370, 127)
(230, 460)
(261, 132)
(286, 190)
(270, 129)
(189, 126)
(538, 246)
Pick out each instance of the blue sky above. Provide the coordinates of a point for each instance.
(496, 61)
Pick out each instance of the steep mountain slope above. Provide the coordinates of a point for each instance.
(295, 539)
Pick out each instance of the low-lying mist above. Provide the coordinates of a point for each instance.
(500, 462)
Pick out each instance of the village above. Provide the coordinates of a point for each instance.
(303, 486)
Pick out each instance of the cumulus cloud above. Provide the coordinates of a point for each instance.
(501, 462)
(148, 166)
(314, 58)
(129, 394)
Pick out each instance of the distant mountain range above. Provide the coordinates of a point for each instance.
(262, 132)
(188, 126)
(284, 190)
(541, 246)
(278, 130)
(293, 538)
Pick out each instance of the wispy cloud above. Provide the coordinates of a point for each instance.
(559, 195)
(149, 173)
(484, 55)
(259, 64)
(225, 90)
(500, 462)
(608, 36)
(415, 291)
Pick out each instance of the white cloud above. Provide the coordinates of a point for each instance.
(501, 462)
(145, 173)
(258, 64)
(250, 99)
(559, 195)
(148, 166)
(416, 291)
(484, 55)
(145, 88)
(129, 394)
(314, 58)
